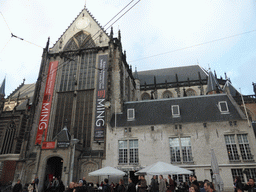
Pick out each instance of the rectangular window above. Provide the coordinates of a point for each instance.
(128, 153)
(186, 149)
(130, 114)
(175, 111)
(237, 172)
(231, 148)
(175, 150)
(180, 147)
(122, 145)
(244, 147)
(223, 107)
(250, 173)
(133, 147)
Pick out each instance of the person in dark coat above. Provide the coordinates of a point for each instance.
(121, 187)
(194, 181)
(170, 185)
(106, 187)
(84, 182)
(154, 184)
(131, 186)
(71, 187)
(238, 186)
(143, 184)
(250, 187)
(17, 187)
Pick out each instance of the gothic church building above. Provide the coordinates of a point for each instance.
(76, 122)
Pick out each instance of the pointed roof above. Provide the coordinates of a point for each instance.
(63, 135)
(94, 28)
(212, 83)
(2, 88)
(229, 88)
(136, 76)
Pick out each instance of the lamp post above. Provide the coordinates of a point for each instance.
(73, 142)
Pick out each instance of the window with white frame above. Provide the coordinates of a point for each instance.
(123, 156)
(133, 151)
(244, 147)
(128, 151)
(231, 147)
(175, 111)
(130, 114)
(223, 107)
(186, 149)
(180, 149)
(243, 144)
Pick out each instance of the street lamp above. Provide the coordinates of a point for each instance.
(73, 142)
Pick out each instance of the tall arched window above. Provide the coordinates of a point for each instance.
(8, 138)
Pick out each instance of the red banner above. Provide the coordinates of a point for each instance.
(48, 145)
(47, 101)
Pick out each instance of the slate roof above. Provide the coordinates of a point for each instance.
(212, 83)
(24, 91)
(63, 135)
(202, 108)
(169, 74)
(2, 88)
(229, 88)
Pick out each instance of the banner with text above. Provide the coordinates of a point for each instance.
(47, 101)
(100, 98)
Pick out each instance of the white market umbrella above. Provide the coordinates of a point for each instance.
(162, 168)
(107, 171)
(219, 185)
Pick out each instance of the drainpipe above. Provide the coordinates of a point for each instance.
(74, 142)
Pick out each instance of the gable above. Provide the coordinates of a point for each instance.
(84, 30)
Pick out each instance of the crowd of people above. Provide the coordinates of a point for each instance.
(157, 184)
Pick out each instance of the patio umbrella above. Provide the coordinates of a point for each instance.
(218, 183)
(107, 171)
(162, 168)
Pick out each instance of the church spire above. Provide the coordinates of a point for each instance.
(2, 89)
(212, 84)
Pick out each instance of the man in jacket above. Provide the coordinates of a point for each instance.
(162, 184)
(154, 184)
(250, 187)
(17, 187)
(131, 186)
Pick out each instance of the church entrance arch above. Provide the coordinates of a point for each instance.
(53, 169)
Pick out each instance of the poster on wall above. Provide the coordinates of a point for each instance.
(47, 101)
(100, 98)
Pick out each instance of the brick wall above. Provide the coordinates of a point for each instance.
(8, 172)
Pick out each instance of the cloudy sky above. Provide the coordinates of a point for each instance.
(155, 34)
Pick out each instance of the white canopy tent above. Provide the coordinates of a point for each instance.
(162, 168)
(107, 171)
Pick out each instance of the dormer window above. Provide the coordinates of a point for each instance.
(223, 107)
(175, 111)
(130, 114)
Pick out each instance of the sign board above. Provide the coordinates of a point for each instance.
(47, 101)
(63, 144)
(100, 98)
(48, 145)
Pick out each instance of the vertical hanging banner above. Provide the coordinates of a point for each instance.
(100, 98)
(47, 101)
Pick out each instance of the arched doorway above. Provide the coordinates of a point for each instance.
(53, 169)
